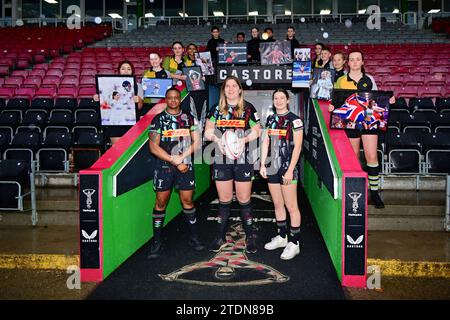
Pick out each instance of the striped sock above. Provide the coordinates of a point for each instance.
(294, 235)
(224, 214)
(247, 218)
(282, 229)
(158, 223)
(191, 219)
(373, 169)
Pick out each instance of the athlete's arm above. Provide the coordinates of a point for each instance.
(210, 129)
(264, 151)
(298, 140)
(254, 134)
(195, 144)
(155, 149)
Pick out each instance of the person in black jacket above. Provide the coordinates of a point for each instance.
(253, 54)
(290, 35)
(213, 43)
(269, 32)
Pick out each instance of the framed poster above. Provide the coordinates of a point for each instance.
(301, 74)
(278, 52)
(194, 79)
(204, 61)
(232, 53)
(116, 94)
(302, 54)
(322, 85)
(155, 88)
(360, 110)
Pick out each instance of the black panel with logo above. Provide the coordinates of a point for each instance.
(355, 226)
(89, 222)
(314, 148)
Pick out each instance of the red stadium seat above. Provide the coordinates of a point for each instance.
(430, 92)
(435, 80)
(25, 93)
(87, 92)
(67, 92)
(45, 93)
(394, 80)
(14, 81)
(411, 80)
(406, 92)
(32, 82)
(4, 71)
(7, 93)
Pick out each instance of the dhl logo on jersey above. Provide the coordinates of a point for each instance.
(231, 123)
(176, 133)
(277, 132)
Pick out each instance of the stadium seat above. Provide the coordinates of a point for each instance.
(86, 117)
(65, 103)
(42, 103)
(404, 161)
(442, 104)
(437, 161)
(60, 117)
(87, 149)
(26, 140)
(14, 177)
(437, 141)
(421, 104)
(53, 155)
(35, 117)
(10, 118)
(18, 103)
(402, 140)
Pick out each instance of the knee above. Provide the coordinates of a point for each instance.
(292, 208)
(160, 205)
(187, 203)
(279, 205)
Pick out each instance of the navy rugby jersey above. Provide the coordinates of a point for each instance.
(241, 125)
(280, 130)
(175, 131)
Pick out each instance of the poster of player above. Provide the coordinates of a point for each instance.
(322, 85)
(278, 52)
(155, 88)
(204, 61)
(116, 94)
(232, 53)
(302, 54)
(194, 79)
(360, 110)
(301, 74)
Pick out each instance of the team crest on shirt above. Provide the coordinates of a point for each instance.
(297, 123)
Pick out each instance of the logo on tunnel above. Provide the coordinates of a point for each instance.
(89, 238)
(88, 193)
(355, 243)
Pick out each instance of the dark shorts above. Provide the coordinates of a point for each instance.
(237, 172)
(278, 177)
(167, 176)
(359, 133)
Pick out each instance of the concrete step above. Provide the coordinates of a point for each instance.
(406, 223)
(45, 218)
(390, 211)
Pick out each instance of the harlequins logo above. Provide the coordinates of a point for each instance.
(229, 267)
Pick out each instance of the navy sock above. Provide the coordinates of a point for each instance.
(247, 218)
(158, 223)
(224, 214)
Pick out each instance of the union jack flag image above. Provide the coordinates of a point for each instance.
(353, 108)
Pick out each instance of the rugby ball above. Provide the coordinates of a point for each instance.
(230, 142)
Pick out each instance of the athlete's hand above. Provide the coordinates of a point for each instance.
(330, 108)
(176, 160)
(392, 100)
(288, 176)
(220, 144)
(241, 144)
(263, 171)
(183, 168)
(136, 99)
(96, 98)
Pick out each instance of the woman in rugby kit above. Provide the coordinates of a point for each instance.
(283, 137)
(173, 139)
(234, 114)
(358, 79)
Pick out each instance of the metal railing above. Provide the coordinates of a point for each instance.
(42, 22)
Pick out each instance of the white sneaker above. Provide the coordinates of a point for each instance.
(290, 251)
(277, 242)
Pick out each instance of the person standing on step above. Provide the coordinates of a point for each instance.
(283, 137)
(236, 115)
(358, 79)
(173, 139)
